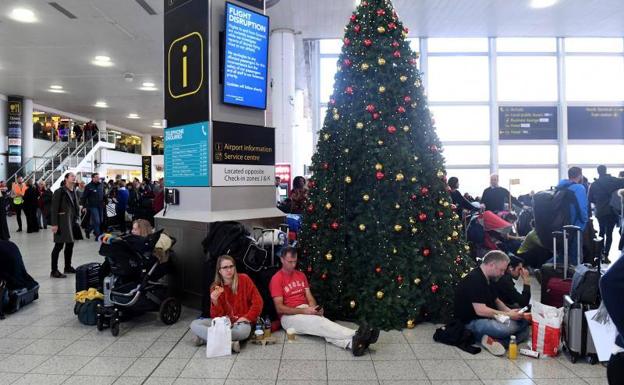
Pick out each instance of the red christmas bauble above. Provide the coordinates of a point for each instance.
(376, 116)
(379, 175)
(310, 209)
(309, 269)
(440, 214)
(311, 183)
(400, 279)
(353, 17)
(424, 191)
(413, 61)
(392, 129)
(407, 99)
(349, 90)
(414, 197)
(392, 25)
(324, 276)
(364, 3)
(381, 12)
(314, 226)
(378, 269)
(395, 44)
(434, 288)
(396, 54)
(370, 108)
(368, 42)
(335, 226)
(458, 260)
(332, 101)
(426, 252)
(347, 41)
(325, 166)
(347, 62)
(405, 29)
(357, 28)
(401, 109)
(422, 217)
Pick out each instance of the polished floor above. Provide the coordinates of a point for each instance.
(45, 344)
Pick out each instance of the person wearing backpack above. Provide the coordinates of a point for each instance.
(579, 209)
(600, 195)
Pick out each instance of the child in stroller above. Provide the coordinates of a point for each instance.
(133, 287)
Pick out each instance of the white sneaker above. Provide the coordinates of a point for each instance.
(492, 346)
(197, 341)
(236, 346)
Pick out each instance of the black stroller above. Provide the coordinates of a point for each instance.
(134, 285)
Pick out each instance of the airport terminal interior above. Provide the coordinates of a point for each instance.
(285, 192)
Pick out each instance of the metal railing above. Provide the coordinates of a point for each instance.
(34, 164)
(65, 161)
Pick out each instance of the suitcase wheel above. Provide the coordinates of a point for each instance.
(593, 359)
(573, 357)
(115, 327)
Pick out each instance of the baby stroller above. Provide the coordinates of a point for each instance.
(484, 231)
(134, 285)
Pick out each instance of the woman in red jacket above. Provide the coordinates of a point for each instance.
(233, 295)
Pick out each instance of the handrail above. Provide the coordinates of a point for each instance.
(68, 159)
(34, 159)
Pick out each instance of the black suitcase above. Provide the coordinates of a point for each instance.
(88, 276)
(19, 298)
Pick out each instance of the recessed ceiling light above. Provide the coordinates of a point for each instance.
(56, 87)
(149, 84)
(133, 116)
(146, 88)
(543, 3)
(23, 15)
(102, 61)
(56, 90)
(101, 104)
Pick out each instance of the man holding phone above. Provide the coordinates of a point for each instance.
(298, 309)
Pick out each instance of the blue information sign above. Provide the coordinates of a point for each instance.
(246, 57)
(187, 155)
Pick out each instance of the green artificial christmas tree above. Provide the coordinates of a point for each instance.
(380, 240)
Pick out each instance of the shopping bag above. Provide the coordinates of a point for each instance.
(546, 334)
(219, 338)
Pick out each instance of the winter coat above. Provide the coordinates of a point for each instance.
(64, 214)
(93, 195)
(600, 194)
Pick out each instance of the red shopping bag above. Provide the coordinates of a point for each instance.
(546, 332)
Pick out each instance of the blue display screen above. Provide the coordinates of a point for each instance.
(187, 155)
(245, 57)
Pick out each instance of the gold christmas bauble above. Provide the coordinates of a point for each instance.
(381, 61)
(417, 83)
(365, 197)
(464, 275)
(412, 220)
(347, 179)
(414, 105)
(352, 304)
(380, 142)
(398, 228)
(414, 230)
(410, 324)
(380, 294)
(397, 206)
(359, 125)
(400, 177)
(406, 128)
(415, 158)
(329, 256)
(467, 248)
(394, 250)
(364, 66)
(328, 206)
(440, 173)
(455, 216)
(417, 281)
(446, 204)
(382, 89)
(441, 202)
(326, 137)
(404, 34)
(381, 29)
(378, 166)
(335, 110)
(336, 117)
(455, 234)
(403, 78)
(448, 239)
(414, 179)
(362, 227)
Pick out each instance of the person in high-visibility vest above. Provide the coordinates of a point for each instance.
(17, 192)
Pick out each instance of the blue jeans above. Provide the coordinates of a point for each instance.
(499, 331)
(96, 220)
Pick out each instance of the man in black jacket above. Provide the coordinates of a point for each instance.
(600, 195)
(506, 287)
(93, 201)
(495, 197)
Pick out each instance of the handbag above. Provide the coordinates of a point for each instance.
(219, 338)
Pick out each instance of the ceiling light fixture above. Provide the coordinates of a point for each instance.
(102, 61)
(23, 15)
(149, 84)
(543, 3)
(56, 90)
(133, 116)
(56, 87)
(101, 104)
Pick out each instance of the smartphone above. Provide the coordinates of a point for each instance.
(524, 309)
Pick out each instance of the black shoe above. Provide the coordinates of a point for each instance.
(19, 230)
(57, 274)
(69, 270)
(359, 342)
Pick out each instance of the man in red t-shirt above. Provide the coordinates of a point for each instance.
(298, 309)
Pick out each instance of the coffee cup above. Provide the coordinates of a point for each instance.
(290, 332)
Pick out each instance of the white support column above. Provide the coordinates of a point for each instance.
(146, 145)
(102, 128)
(282, 59)
(28, 140)
(3, 137)
(493, 107)
(562, 110)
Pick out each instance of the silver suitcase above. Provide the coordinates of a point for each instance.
(577, 339)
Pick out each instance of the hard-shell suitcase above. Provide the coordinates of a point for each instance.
(87, 276)
(557, 281)
(19, 298)
(576, 336)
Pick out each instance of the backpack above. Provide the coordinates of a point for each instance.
(455, 334)
(585, 288)
(551, 211)
(86, 312)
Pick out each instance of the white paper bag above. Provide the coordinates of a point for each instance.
(219, 338)
(546, 332)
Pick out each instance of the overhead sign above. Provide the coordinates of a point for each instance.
(186, 62)
(187, 155)
(14, 117)
(527, 123)
(245, 57)
(596, 122)
(146, 168)
(243, 155)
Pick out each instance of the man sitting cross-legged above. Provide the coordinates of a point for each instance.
(477, 305)
(298, 309)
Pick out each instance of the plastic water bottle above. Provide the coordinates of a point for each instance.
(267, 327)
(259, 333)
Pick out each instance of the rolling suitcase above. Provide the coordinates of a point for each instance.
(17, 299)
(557, 281)
(576, 336)
(87, 276)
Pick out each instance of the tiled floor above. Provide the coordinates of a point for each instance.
(45, 344)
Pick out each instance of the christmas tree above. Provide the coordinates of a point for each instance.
(380, 240)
